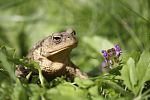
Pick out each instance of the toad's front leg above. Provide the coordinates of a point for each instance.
(73, 71)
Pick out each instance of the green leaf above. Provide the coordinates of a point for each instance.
(83, 83)
(36, 92)
(118, 88)
(19, 92)
(116, 70)
(135, 76)
(125, 76)
(93, 91)
(128, 75)
(10, 52)
(132, 72)
(66, 91)
(6, 89)
(134, 54)
(143, 70)
(94, 94)
(98, 43)
(147, 78)
(143, 67)
(6, 65)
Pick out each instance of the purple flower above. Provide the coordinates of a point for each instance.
(118, 50)
(105, 54)
(111, 56)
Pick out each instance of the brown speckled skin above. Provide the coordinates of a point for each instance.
(52, 54)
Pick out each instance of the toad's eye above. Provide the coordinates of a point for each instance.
(57, 39)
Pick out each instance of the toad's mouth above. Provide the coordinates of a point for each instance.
(63, 49)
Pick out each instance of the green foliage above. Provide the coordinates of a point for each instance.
(4, 64)
(108, 86)
(99, 25)
(136, 74)
(67, 91)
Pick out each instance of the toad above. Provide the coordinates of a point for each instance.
(53, 55)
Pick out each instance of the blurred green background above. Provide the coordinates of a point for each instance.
(99, 25)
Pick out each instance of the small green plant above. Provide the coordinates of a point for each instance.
(136, 74)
